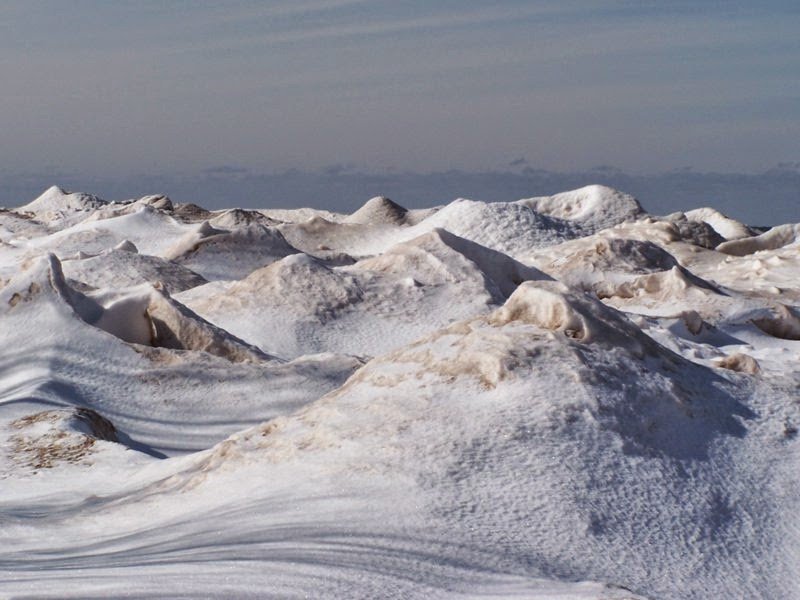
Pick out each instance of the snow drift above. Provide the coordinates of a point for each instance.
(556, 397)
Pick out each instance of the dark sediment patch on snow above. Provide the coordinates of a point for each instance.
(191, 213)
(782, 322)
(236, 218)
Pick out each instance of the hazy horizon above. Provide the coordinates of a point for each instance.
(766, 198)
(121, 99)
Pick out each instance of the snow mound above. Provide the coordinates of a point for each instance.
(123, 267)
(728, 228)
(378, 211)
(304, 304)
(147, 316)
(189, 212)
(235, 218)
(698, 233)
(675, 284)
(777, 237)
(318, 234)
(505, 227)
(593, 207)
(170, 399)
(150, 230)
(157, 201)
(218, 255)
(56, 203)
(514, 345)
(300, 283)
(553, 306)
(462, 418)
(596, 262)
(440, 257)
(301, 215)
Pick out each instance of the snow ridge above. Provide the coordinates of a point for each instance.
(542, 398)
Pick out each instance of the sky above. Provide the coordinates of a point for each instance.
(162, 91)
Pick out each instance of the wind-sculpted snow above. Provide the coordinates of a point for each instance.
(366, 308)
(123, 266)
(726, 227)
(559, 397)
(219, 254)
(592, 208)
(56, 206)
(777, 237)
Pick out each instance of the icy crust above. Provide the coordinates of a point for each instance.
(15, 227)
(157, 202)
(679, 289)
(698, 233)
(550, 306)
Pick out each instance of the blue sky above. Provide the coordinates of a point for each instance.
(115, 89)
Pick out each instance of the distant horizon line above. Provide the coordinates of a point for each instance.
(771, 196)
(338, 170)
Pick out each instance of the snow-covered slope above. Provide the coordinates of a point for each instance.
(220, 254)
(559, 397)
(593, 207)
(367, 308)
(56, 206)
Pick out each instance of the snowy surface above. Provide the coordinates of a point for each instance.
(559, 397)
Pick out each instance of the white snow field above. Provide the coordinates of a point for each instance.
(558, 397)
